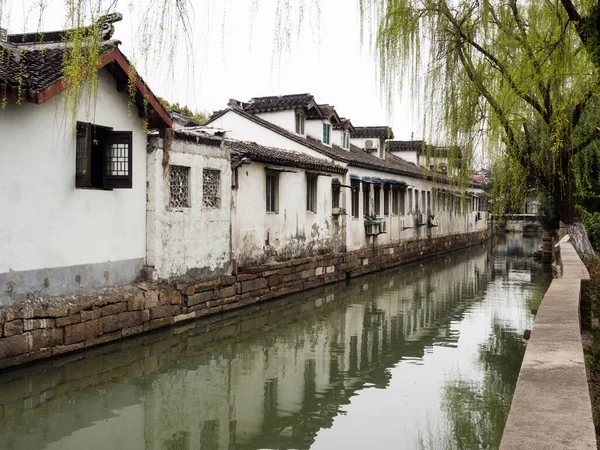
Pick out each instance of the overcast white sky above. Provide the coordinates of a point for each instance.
(233, 56)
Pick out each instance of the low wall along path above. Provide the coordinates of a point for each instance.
(551, 407)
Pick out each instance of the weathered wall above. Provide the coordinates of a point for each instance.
(33, 330)
(57, 239)
(194, 240)
(293, 231)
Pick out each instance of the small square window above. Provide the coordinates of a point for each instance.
(211, 188)
(179, 177)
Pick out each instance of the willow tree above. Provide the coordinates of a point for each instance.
(514, 71)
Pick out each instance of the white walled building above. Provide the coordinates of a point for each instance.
(73, 178)
(188, 229)
(384, 198)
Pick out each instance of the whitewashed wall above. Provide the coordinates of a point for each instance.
(54, 238)
(195, 240)
(293, 231)
(285, 119)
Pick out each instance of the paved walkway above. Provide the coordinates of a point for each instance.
(551, 407)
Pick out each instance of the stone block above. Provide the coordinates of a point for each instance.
(231, 306)
(126, 332)
(69, 320)
(229, 291)
(80, 306)
(55, 310)
(62, 349)
(307, 273)
(169, 297)
(109, 300)
(82, 331)
(2, 316)
(114, 308)
(209, 311)
(206, 286)
(136, 303)
(162, 322)
(199, 298)
(91, 314)
(159, 312)
(14, 345)
(122, 320)
(105, 338)
(246, 277)
(14, 327)
(184, 317)
(13, 313)
(253, 285)
(150, 299)
(274, 280)
(227, 279)
(24, 358)
(46, 338)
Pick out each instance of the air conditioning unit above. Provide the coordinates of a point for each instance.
(369, 143)
(3, 35)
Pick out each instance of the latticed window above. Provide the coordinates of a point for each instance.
(377, 199)
(103, 157)
(211, 188)
(365, 187)
(179, 187)
(355, 197)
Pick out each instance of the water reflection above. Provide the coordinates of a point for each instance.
(423, 355)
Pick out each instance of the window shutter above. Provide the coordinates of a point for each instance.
(83, 155)
(117, 159)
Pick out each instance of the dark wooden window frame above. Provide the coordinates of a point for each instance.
(103, 157)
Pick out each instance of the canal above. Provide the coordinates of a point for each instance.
(423, 356)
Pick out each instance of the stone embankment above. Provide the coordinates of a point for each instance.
(551, 407)
(41, 328)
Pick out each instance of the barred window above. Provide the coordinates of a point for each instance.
(179, 187)
(335, 193)
(272, 192)
(211, 188)
(377, 199)
(355, 197)
(395, 200)
(311, 193)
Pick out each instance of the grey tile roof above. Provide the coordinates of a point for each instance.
(277, 103)
(29, 71)
(373, 132)
(261, 153)
(404, 146)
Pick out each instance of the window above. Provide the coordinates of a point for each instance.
(179, 177)
(326, 133)
(211, 187)
(365, 187)
(335, 193)
(103, 157)
(410, 201)
(423, 204)
(416, 200)
(272, 192)
(386, 199)
(311, 193)
(346, 140)
(395, 200)
(300, 119)
(355, 184)
(377, 194)
(429, 208)
(402, 195)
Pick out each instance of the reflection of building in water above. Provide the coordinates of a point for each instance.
(267, 380)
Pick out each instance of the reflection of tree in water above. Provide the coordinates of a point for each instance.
(476, 410)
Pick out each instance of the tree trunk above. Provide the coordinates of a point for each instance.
(579, 239)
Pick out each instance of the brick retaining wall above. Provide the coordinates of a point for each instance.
(42, 328)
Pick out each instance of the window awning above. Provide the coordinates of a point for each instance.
(354, 177)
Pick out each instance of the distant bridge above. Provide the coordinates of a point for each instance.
(521, 222)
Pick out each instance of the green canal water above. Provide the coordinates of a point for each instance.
(423, 356)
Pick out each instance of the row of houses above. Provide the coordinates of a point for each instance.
(92, 199)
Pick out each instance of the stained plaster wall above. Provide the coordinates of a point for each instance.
(292, 231)
(55, 238)
(449, 222)
(195, 240)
